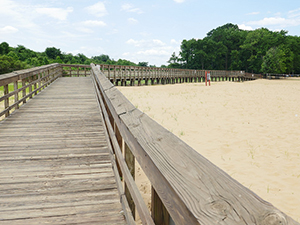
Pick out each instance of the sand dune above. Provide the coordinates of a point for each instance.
(251, 130)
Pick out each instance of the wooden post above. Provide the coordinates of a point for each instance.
(120, 142)
(30, 86)
(35, 84)
(130, 161)
(24, 91)
(17, 94)
(6, 101)
(159, 212)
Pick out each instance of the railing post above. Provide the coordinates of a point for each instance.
(159, 212)
(35, 85)
(24, 90)
(6, 101)
(130, 161)
(30, 86)
(17, 94)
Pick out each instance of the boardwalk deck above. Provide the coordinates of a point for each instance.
(55, 165)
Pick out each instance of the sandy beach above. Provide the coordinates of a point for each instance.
(251, 130)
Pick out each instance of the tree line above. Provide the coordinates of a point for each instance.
(225, 48)
(230, 48)
(20, 57)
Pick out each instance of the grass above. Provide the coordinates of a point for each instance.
(12, 98)
(181, 133)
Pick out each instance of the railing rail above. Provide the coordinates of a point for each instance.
(186, 187)
(131, 74)
(19, 86)
(71, 70)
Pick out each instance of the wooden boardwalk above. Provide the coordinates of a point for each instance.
(55, 165)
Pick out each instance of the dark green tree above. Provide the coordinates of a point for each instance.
(143, 64)
(53, 52)
(4, 48)
(274, 61)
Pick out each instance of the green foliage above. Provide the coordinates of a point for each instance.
(274, 61)
(145, 64)
(20, 58)
(4, 48)
(9, 64)
(229, 48)
(53, 53)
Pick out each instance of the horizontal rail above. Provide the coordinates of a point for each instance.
(186, 187)
(75, 70)
(131, 74)
(278, 76)
(18, 86)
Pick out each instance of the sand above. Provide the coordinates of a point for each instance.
(251, 130)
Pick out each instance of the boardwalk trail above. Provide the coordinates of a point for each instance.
(55, 165)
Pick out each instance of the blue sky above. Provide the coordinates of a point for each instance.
(135, 30)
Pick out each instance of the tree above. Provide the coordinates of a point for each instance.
(101, 58)
(174, 61)
(4, 48)
(9, 64)
(143, 64)
(274, 61)
(53, 52)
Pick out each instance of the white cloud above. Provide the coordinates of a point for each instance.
(179, 1)
(94, 23)
(275, 21)
(157, 52)
(146, 43)
(132, 21)
(56, 13)
(174, 42)
(158, 42)
(245, 27)
(19, 14)
(8, 30)
(97, 9)
(130, 8)
(252, 13)
(294, 13)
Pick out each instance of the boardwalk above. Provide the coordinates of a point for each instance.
(55, 165)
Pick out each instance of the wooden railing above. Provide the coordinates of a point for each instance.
(278, 76)
(19, 86)
(75, 70)
(129, 75)
(186, 187)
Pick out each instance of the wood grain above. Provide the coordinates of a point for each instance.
(193, 190)
(55, 165)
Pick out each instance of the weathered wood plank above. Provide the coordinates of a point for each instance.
(193, 190)
(55, 164)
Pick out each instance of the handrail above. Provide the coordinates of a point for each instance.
(123, 74)
(75, 70)
(190, 188)
(25, 84)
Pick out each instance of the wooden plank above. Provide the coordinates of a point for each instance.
(141, 207)
(55, 164)
(193, 190)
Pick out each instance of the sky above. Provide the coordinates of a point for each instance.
(136, 30)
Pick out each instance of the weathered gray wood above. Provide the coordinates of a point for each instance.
(126, 209)
(16, 94)
(130, 161)
(6, 101)
(159, 212)
(123, 74)
(128, 179)
(23, 74)
(54, 160)
(193, 190)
